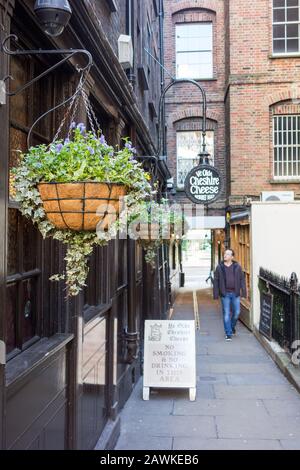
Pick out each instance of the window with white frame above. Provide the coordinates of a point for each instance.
(286, 141)
(188, 148)
(286, 26)
(194, 55)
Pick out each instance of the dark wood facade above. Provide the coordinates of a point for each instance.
(71, 365)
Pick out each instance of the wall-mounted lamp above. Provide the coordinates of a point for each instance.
(53, 15)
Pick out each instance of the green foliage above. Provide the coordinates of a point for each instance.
(84, 158)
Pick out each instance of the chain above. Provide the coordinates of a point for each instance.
(90, 113)
(75, 100)
(92, 118)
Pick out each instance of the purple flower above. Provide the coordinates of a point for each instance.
(102, 140)
(81, 127)
(91, 150)
(73, 125)
(67, 141)
(111, 154)
(128, 145)
(58, 147)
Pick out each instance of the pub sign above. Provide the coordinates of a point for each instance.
(203, 184)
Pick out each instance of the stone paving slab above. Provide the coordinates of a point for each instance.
(155, 406)
(292, 444)
(170, 426)
(278, 408)
(237, 359)
(226, 444)
(243, 401)
(256, 379)
(258, 427)
(242, 368)
(127, 442)
(250, 392)
(219, 407)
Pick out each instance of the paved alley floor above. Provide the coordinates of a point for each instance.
(243, 400)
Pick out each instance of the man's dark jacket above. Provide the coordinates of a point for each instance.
(220, 283)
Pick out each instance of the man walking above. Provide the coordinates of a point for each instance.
(229, 282)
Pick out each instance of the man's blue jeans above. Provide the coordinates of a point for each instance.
(230, 322)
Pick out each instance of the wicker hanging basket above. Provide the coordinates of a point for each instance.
(81, 205)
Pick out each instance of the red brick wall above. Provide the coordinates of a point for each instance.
(183, 101)
(256, 81)
(248, 82)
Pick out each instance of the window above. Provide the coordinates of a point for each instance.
(194, 51)
(188, 148)
(286, 141)
(286, 21)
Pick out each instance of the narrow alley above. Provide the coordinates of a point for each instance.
(243, 400)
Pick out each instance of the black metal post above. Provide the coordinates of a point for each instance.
(202, 154)
(294, 309)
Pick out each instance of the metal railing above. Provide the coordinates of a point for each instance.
(286, 306)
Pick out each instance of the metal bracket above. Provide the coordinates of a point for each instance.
(2, 353)
(2, 93)
(68, 53)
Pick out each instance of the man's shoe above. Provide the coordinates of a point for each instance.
(227, 338)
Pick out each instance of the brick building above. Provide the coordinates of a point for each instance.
(247, 57)
(185, 20)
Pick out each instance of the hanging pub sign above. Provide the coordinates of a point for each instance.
(203, 184)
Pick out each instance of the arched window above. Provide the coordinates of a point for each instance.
(285, 118)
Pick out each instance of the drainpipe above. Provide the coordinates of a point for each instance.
(130, 32)
(131, 333)
(162, 72)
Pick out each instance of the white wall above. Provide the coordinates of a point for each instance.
(275, 243)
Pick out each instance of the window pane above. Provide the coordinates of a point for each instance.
(12, 242)
(188, 147)
(291, 30)
(194, 65)
(193, 37)
(278, 3)
(279, 46)
(279, 31)
(28, 310)
(292, 3)
(11, 310)
(279, 15)
(18, 142)
(286, 153)
(293, 14)
(29, 245)
(293, 45)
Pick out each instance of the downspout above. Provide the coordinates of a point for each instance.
(162, 72)
(130, 32)
(131, 333)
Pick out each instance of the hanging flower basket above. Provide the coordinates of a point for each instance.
(81, 205)
(72, 190)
